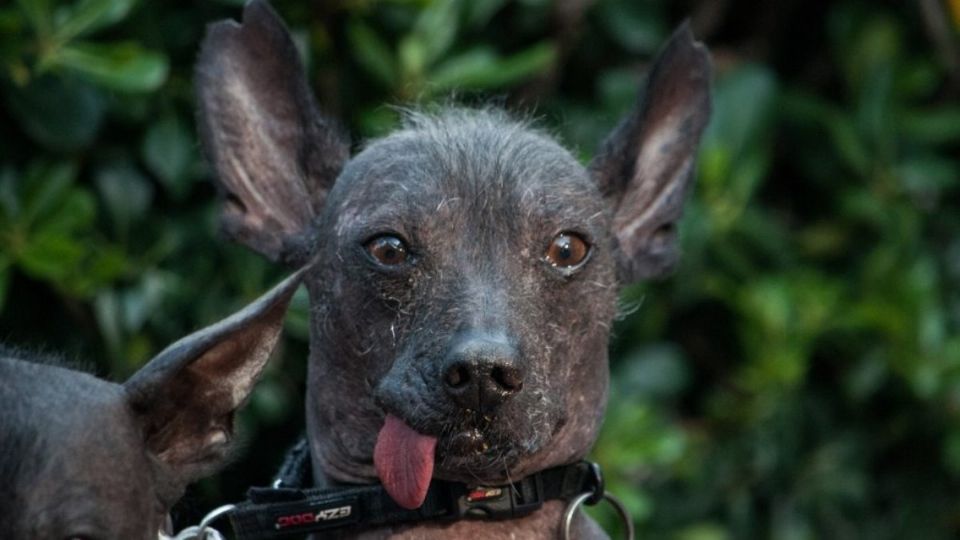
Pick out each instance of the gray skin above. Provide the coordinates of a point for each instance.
(476, 198)
(87, 459)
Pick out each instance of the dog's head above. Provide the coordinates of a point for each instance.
(465, 268)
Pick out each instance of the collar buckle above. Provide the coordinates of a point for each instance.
(501, 502)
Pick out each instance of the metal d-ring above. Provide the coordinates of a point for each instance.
(578, 501)
(212, 516)
(203, 531)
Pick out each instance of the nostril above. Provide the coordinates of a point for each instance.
(508, 378)
(458, 375)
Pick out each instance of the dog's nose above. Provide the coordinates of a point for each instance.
(480, 374)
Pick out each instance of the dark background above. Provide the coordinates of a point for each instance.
(799, 377)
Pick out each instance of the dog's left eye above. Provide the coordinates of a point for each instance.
(567, 250)
(387, 250)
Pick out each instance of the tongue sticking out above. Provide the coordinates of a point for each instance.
(404, 462)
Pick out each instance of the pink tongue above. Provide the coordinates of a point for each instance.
(404, 462)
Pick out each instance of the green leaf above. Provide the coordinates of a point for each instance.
(436, 28)
(951, 450)
(927, 177)
(44, 190)
(12, 23)
(102, 264)
(124, 67)
(618, 89)
(918, 79)
(372, 53)
(126, 195)
(4, 280)
(735, 151)
(51, 254)
(839, 124)
(9, 199)
(743, 108)
(61, 113)
(38, 13)
(107, 310)
(272, 401)
(87, 16)
(849, 143)
(378, 121)
(638, 27)
(864, 42)
(481, 68)
(141, 301)
(54, 247)
(653, 372)
(479, 12)
(412, 59)
(939, 126)
(874, 114)
(168, 151)
(297, 321)
(73, 216)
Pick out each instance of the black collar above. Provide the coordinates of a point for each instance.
(293, 508)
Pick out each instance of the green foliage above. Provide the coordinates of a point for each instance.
(799, 377)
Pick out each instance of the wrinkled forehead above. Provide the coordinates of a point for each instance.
(484, 169)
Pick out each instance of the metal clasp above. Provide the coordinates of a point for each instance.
(203, 531)
(595, 481)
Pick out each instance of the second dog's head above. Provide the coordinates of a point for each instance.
(465, 268)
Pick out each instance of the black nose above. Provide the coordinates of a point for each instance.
(481, 373)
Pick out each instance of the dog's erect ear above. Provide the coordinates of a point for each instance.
(645, 167)
(186, 397)
(273, 153)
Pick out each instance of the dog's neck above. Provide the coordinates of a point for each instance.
(542, 523)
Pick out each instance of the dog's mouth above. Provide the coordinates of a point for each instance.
(476, 455)
(406, 459)
(464, 444)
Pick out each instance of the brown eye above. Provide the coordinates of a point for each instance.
(387, 250)
(567, 250)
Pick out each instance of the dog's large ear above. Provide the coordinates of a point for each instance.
(645, 167)
(186, 397)
(274, 155)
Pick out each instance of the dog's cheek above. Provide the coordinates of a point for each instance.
(355, 330)
(573, 373)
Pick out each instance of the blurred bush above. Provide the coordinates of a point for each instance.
(799, 377)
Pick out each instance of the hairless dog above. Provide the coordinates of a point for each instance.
(86, 459)
(465, 268)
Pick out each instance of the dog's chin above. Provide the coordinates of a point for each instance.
(479, 456)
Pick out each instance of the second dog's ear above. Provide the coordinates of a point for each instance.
(274, 155)
(644, 168)
(186, 397)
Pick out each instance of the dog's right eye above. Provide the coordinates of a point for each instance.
(567, 250)
(387, 250)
